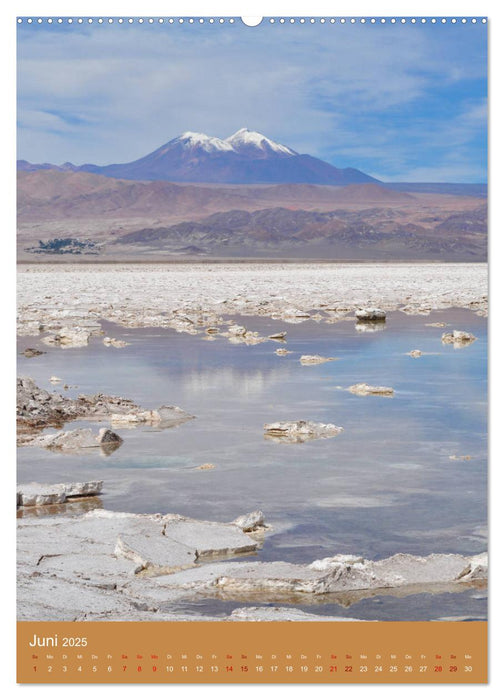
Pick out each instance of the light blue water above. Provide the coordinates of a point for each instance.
(384, 485)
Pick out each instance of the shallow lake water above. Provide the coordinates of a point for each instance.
(386, 484)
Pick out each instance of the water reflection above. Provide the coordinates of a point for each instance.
(370, 326)
(248, 383)
(344, 599)
(75, 506)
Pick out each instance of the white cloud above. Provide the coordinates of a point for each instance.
(43, 121)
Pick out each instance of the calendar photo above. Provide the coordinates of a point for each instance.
(252, 300)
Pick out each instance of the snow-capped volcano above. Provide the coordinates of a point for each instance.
(246, 141)
(246, 157)
(210, 144)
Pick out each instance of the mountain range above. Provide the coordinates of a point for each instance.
(246, 157)
(245, 195)
(83, 214)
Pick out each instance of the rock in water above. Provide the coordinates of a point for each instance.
(315, 359)
(107, 437)
(32, 352)
(237, 330)
(300, 431)
(250, 521)
(239, 335)
(459, 339)
(83, 488)
(367, 390)
(278, 336)
(173, 415)
(370, 314)
(37, 409)
(113, 342)
(69, 338)
(77, 440)
(67, 440)
(47, 494)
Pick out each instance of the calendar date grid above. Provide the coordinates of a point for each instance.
(152, 662)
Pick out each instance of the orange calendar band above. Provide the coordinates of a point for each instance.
(252, 652)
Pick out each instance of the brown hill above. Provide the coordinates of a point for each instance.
(50, 194)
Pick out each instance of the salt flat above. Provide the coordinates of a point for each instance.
(136, 294)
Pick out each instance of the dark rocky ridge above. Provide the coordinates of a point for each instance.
(280, 229)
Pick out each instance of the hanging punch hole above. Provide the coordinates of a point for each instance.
(252, 21)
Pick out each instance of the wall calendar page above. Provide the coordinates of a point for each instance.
(252, 349)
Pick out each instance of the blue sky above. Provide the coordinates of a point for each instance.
(400, 102)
